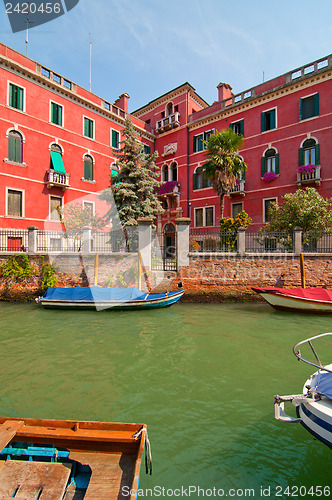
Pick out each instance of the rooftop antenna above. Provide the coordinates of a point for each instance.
(90, 58)
(27, 35)
(263, 76)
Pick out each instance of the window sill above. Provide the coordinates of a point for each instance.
(16, 109)
(310, 118)
(87, 137)
(56, 125)
(14, 217)
(88, 181)
(16, 163)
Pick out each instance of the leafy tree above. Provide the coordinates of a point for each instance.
(224, 164)
(231, 226)
(74, 218)
(305, 208)
(134, 186)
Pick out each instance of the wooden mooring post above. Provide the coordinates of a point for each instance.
(302, 268)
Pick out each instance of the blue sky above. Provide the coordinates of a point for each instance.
(147, 47)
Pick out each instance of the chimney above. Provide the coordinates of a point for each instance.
(224, 91)
(122, 102)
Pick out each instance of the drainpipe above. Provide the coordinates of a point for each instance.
(188, 178)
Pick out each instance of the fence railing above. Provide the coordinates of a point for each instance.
(14, 240)
(245, 242)
(164, 254)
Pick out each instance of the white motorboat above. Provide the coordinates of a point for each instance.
(314, 405)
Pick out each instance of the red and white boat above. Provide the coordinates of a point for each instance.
(306, 300)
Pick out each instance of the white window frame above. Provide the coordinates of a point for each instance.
(87, 202)
(23, 202)
(233, 205)
(49, 206)
(276, 117)
(24, 96)
(273, 198)
(118, 131)
(63, 115)
(94, 128)
(204, 215)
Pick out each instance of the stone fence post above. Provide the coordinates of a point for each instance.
(145, 241)
(182, 227)
(241, 241)
(86, 240)
(32, 239)
(297, 241)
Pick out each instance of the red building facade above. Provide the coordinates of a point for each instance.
(57, 142)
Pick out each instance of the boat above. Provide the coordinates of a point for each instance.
(305, 300)
(69, 459)
(96, 297)
(314, 405)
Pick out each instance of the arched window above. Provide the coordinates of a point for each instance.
(309, 153)
(270, 162)
(164, 173)
(200, 180)
(15, 146)
(56, 148)
(174, 171)
(169, 109)
(88, 168)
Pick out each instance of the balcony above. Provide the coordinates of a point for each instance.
(56, 179)
(169, 122)
(309, 177)
(238, 188)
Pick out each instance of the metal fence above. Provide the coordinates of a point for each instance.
(14, 240)
(277, 242)
(316, 242)
(212, 241)
(164, 254)
(59, 242)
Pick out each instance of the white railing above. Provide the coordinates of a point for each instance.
(55, 179)
(239, 188)
(172, 120)
(307, 177)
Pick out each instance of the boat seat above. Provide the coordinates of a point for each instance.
(33, 480)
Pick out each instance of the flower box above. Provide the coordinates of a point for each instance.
(269, 176)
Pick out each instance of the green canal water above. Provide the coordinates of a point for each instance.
(201, 376)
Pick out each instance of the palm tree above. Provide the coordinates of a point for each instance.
(224, 164)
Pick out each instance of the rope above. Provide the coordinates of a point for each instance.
(148, 455)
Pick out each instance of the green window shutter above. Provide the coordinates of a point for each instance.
(18, 150)
(316, 104)
(317, 154)
(194, 145)
(86, 127)
(115, 139)
(11, 148)
(277, 164)
(242, 127)
(263, 122)
(300, 111)
(263, 166)
(301, 157)
(11, 95)
(60, 116)
(88, 170)
(243, 175)
(19, 98)
(272, 118)
(231, 126)
(194, 181)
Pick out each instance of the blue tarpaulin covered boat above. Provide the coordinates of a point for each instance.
(96, 297)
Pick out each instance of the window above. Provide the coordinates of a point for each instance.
(15, 147)
(169, 109)
(174, 171)
(198, 144)
(199, 179)
(164, 173)
(268, 120)
(309, 107)
(88, 128)
(55, 206)
(16, 97)
(236, 209)
(115, 139)
(266, 209)
(56, 159)
(146, 149)
(88, 206)
(309, 153)
(270, 162)
(56, 114)
(238, 127)
(88, 168)
(14, 203)
(204, 217)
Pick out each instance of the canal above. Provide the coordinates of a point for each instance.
(201, 376)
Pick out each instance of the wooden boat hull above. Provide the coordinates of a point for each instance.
(150, 303)
(65, 459)
(282, 302)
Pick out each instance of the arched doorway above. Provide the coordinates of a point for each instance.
(169, 251)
